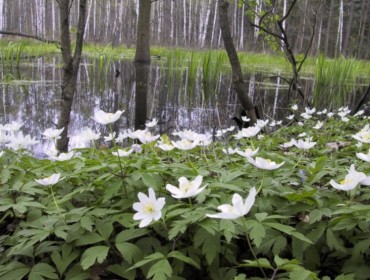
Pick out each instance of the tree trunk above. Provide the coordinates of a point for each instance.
(237, 74)
(70, 68)
(142, 54)
(328, 29)
(142, 62)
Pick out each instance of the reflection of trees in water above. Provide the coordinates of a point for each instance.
(34, 100)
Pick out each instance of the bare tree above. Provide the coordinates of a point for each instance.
(237, 74)
(275, 26)
(71, 65)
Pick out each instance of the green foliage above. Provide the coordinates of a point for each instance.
(299, 227)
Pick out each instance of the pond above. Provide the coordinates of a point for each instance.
(30, 93)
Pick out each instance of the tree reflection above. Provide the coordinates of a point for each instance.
(142, 80)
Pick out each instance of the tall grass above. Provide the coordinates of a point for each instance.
(335, 80)
(11, 54)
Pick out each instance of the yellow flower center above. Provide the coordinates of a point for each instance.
(346, 181)
(149, 208)
(186, 187)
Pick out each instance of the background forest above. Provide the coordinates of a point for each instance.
(342, 27)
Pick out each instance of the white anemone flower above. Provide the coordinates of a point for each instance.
(186, 188)
(165, 147)
(187, 134)
(248, 132)
(304, 145)
(52, 134)
(364, 157)
(330, 114)
(152, 123)
(122, 153)
(261, 123)
(110, 137)
(107, 118)
(306, 115)
(122, 136)
(289, 144)
(14, 126)
(363, 135)
(230, 151)
(184, 144)
(359, 113)
(144, 136)
(352, 179)
(275, 123)
(290, 117)
(245, 119)
(21, 142)
(48, 181)
(87, 134)
(318, 125)
(148, 208)
(309, 110)
(248, 152)
(64, 156)
(238, 208)
(294, 107)
(136, 148)
(221, 132)
(266, 164)
(4, 138)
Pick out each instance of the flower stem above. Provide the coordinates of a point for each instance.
(57, 206)
(253, 253)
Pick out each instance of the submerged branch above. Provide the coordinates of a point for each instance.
(11, 33)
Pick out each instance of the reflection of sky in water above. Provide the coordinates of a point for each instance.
(32, 96)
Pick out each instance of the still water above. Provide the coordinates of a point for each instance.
(30, 93)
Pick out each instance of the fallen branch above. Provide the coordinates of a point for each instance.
(3, 32)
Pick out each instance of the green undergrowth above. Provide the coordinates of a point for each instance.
(299, 227)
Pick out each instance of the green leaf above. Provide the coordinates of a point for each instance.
(151, 179)
(42, 271)
(97, 253)
(350, 276)
(130, 234)
(288, 230)
(261, 216)
(105, 228)
(315, 216)
(257, 232)
(227, 227)
(86, 223)
(180, 256)
(148, 259)
(302, 274)
(261, 262)
(209, 244)
(121, 270)
(88, 238)
(161, 270)
(76, 273)
(13, 271)
(130, 252)
(64, 258)
(333, 242)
